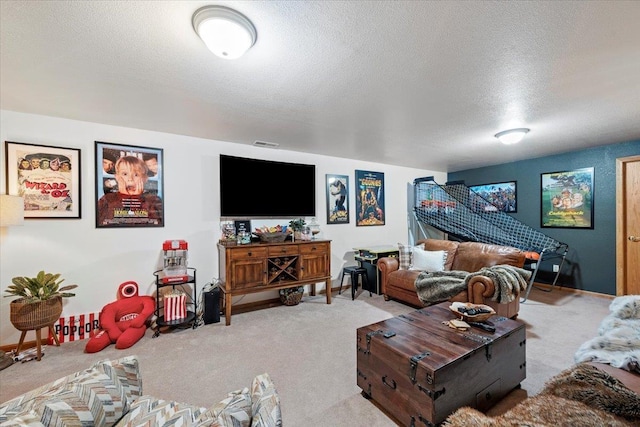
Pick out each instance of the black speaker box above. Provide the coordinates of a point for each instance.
(212, 306)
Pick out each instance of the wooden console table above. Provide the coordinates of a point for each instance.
(259, 267)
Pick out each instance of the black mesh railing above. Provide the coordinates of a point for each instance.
(458, 210)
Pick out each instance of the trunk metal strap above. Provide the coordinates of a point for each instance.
(414, 365)
(369, 336)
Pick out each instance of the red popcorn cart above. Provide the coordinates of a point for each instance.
(175, 261)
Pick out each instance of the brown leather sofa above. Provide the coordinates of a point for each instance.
(467, 256)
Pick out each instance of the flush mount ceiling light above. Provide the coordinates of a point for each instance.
(226, 32)
(511, 136)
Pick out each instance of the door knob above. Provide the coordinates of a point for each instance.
(634, 238)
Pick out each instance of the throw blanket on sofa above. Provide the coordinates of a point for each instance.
(509, 281)
(438, 286)
(618, 340)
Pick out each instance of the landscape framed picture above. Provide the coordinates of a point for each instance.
(129, 186)
(567, 199)
(503, 195)
(369, 198)
(337, 199)
(46, 177)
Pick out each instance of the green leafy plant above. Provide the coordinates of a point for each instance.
(40, 288)
(297, 224)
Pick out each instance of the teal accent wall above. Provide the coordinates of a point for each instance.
(591, 260)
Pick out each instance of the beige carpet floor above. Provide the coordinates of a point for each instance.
(309, 350)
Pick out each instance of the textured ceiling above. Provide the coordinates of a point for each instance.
(419, 84)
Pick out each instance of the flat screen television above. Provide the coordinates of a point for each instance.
(252, 188)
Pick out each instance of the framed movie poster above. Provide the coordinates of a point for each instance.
(369, 198)
(47, 177)
(337, 199)
(500, 194)
(567, 199)
(129, 186)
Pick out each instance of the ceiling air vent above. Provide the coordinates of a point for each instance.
(265, 144)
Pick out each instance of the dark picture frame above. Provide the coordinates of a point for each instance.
(337, 189)
(369, 198)
(503, 195)
(47, 178)
(133, 194)
(567, 199)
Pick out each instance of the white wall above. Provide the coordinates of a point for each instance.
(98, 260)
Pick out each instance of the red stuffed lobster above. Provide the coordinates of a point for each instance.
(123, 322)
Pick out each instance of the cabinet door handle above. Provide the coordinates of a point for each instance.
(634, 238)
(249, 254)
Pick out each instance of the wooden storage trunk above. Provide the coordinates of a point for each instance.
(420, 370)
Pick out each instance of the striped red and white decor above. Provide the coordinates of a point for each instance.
(75, 328)
(175, 306)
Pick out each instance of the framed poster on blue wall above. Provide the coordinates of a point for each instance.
(502, 195)
(567, 199)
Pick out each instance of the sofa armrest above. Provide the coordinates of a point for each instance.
(479, 288)
(386, 266)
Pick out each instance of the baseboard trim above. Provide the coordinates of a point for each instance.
(274, 302)
(561, 288)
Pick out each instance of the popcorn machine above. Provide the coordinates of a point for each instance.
(175, 261)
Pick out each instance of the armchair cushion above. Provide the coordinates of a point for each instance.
(265, 403)
(233, 411)
(95, 396)
(150, 411)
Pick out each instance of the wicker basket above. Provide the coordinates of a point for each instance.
(273, 237)
(29, 316)
(291, 296)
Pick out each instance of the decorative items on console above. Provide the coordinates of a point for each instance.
(297, 226)
(228, 229)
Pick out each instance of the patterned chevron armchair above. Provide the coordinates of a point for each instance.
(109, 393)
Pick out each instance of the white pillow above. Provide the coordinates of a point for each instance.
(428, 260)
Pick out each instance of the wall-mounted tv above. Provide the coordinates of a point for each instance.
(252, 188)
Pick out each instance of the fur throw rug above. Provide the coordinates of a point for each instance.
(509, 281)
(582, 395)
(618, 340)
(437, 286)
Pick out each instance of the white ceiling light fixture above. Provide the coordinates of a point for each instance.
(511, 136)
(226, 32)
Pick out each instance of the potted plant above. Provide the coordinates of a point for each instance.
(40, 300)
(296, 225)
